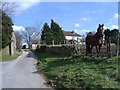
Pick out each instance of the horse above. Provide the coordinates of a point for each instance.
(95, 40)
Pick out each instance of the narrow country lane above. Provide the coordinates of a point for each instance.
(20, 73)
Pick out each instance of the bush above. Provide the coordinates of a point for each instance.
(42, 49)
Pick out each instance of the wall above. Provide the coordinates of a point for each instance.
(64, 50)
(5, 50)
(13, 44)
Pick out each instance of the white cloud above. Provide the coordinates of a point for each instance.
(77, 25)
(18, 28)
(82, 32)
(26, 5)
(116, 15)
(105, 27)
(114, 27)
(67, 0)
(85, 19)
(22, 5)
(23, 0)
(113, 21)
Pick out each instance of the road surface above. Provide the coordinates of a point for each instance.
(21, 73)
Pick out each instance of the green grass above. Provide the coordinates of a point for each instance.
(0, 55)
(6, 57)
(80, 71)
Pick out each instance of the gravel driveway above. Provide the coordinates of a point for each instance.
(20, 73)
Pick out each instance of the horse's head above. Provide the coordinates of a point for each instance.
(100, 30)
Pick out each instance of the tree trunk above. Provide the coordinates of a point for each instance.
(10, 52)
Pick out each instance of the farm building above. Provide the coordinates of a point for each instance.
(72, 36)
(34, 44)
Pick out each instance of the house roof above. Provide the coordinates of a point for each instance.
(34, 41)
(71, 33)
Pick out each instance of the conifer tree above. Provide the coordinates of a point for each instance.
(46, 34)
(52, 33)
(6, 29)
(58, 33)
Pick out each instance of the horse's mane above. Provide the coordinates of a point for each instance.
(90, 34)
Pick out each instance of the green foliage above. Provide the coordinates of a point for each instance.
(58, 33)
(107, 33)
(6, 30)
(114, 34)
(80, 71)
(52, 33)
(47, 34)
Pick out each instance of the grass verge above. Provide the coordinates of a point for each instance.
(80, 71)
(6, 57)
(9, 58)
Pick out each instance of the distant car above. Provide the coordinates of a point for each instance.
(28, 55)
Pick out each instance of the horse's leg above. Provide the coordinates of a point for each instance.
(91, 49)
(97, 50)
(86, 50)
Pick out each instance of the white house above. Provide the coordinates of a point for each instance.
(72, 36)
(34, 44)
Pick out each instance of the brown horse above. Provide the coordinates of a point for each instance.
(95, 40)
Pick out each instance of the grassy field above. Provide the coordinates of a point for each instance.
(6, 57)
(80, 71)
(103, 50)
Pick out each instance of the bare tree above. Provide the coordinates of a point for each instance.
(28, 34)
(32, 33)
(18, 40)
(9, 8)
(38, 27)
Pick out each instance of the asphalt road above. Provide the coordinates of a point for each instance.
(0, 75)
(21, 73)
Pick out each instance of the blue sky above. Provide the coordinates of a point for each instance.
(81, 17)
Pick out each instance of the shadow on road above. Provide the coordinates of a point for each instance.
(38, 72)
(30, 54)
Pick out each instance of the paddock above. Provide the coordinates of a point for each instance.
(103, 52)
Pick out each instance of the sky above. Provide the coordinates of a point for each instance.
(80, 17)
